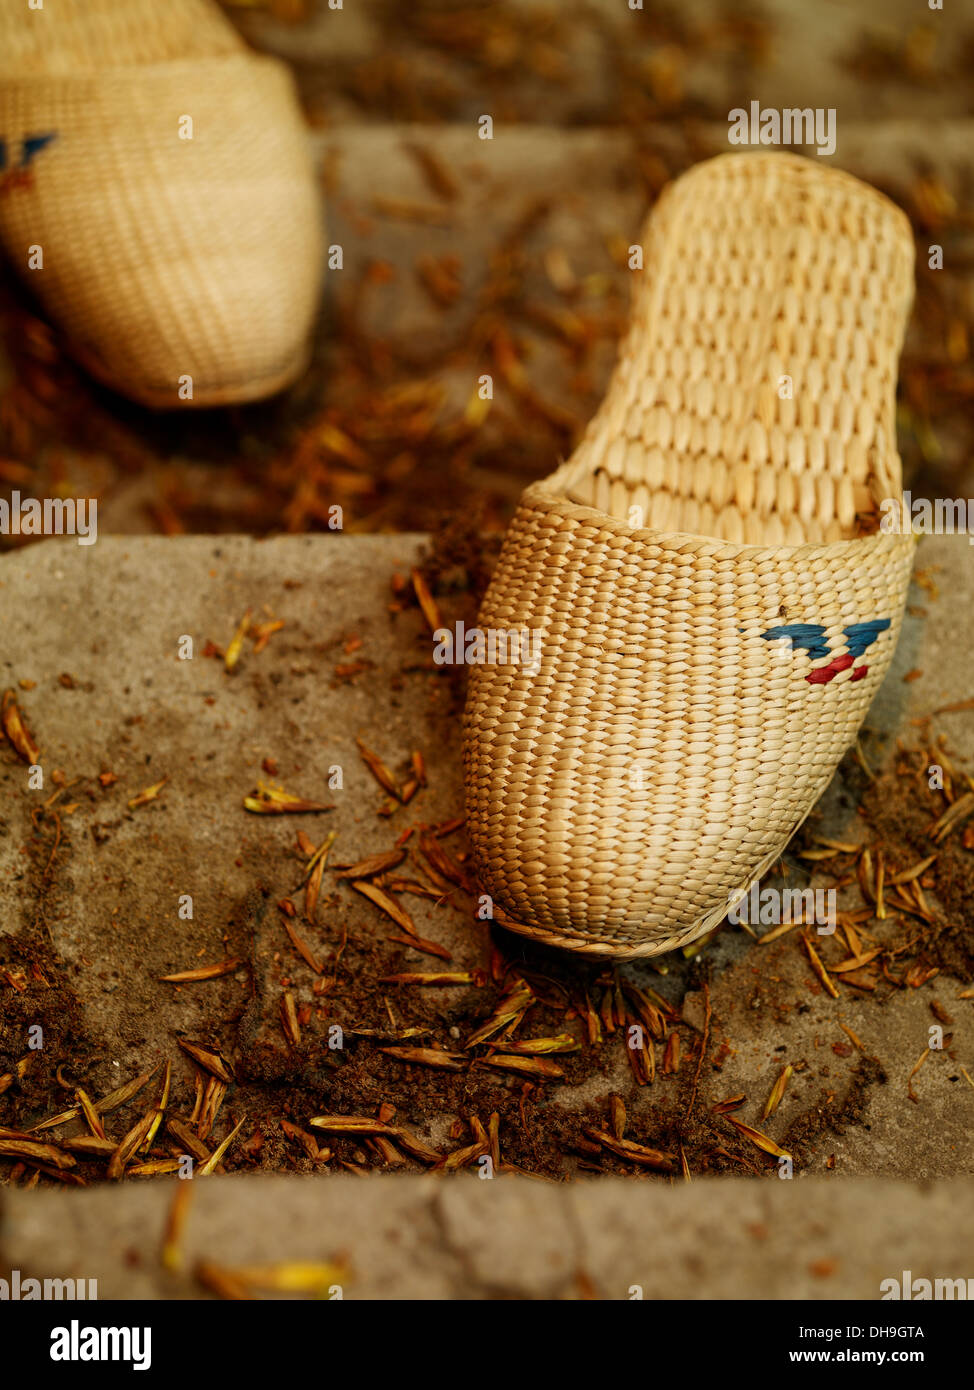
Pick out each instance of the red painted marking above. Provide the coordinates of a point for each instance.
(17, 178)
(824, 674)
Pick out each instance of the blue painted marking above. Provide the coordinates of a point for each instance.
(806, 635)
(863, 635)
(33, 144)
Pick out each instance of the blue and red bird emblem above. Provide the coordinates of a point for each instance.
(16, 163)
(810, 637)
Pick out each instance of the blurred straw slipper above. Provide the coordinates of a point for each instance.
(159, 198)
(714, 600)
(70, 37)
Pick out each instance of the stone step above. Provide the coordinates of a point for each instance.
(580, 62)
(422, 1238)
(94, 634)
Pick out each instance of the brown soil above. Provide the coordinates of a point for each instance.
(539, 1131)
(900, 808)
(833, 1114)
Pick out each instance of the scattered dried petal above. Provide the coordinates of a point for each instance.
(508, 1012)
(202, 972)
(378, 770)
(759, 1140)
(219, 1152)
(527, 1066)
(16, 730)
(149, 794)
(35, 1152)
(818, 967)
(172, 1254)
(386, 904)
(271, 799)
(426, 601)
(373, 864)
(428, 1057)
(233, 651)
(531, 1047)
(442, 977)
(209, 1059)
(777, 1091)
(642, 1154)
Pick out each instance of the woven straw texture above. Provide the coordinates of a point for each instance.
(672, 738)
(166, 257)
(72, 37)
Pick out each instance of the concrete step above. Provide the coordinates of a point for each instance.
(97, 630)
(462, 1238)
(585, 62)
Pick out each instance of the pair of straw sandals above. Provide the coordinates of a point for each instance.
(714, 599)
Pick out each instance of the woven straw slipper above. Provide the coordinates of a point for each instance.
(69, 37)
(714, 603)
(182, 271)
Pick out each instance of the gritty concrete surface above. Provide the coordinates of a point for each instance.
(463, 1238)
(111, 618)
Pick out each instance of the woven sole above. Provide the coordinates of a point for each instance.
(714, 602)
